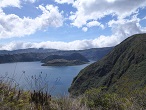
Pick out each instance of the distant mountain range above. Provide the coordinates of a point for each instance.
(33, 54)
(29, 50)
(123, 70)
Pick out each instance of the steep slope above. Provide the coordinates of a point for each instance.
(121, 71)
(95, 53)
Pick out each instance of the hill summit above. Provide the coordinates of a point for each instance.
(121, 71)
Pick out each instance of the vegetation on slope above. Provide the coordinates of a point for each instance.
(121, 71)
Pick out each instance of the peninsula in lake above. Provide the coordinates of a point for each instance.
(70, 60)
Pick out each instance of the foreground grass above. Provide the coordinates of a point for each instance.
(12, 98)
(94, 99)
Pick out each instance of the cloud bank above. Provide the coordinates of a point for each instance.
(102, 41)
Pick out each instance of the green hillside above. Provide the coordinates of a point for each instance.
(123, 70)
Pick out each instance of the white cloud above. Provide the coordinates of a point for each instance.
(85, 29)
(12, 3)
(92, 24)
(31, 1)
(121, 28)
(64, 1)
(88, 10)
(124, 28)
(88, 14)
(101, 41)
(95, 23)
(110, 1)
(144, 18)
(12, 25)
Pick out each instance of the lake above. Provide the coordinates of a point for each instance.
(31, 75)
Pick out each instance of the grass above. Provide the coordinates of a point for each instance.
(37, 98)
(11, 98)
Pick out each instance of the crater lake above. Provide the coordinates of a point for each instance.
(32, 76)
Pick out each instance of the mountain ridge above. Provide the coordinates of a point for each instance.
(33, 54)
(114, 68)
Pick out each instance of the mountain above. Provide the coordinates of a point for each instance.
(123, 70)
(91, 54)
(29, 50)
(33, 54)
(74, 56)
(58, 60)
(24, 57)
(96, 53)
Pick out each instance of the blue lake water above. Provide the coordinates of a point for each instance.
(31, 75)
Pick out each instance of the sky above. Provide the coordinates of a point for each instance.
(69, 24)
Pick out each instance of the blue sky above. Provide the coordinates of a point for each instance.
(69, 24)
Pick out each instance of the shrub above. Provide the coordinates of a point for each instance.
(98, 99)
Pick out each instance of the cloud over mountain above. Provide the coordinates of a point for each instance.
(102, 41)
